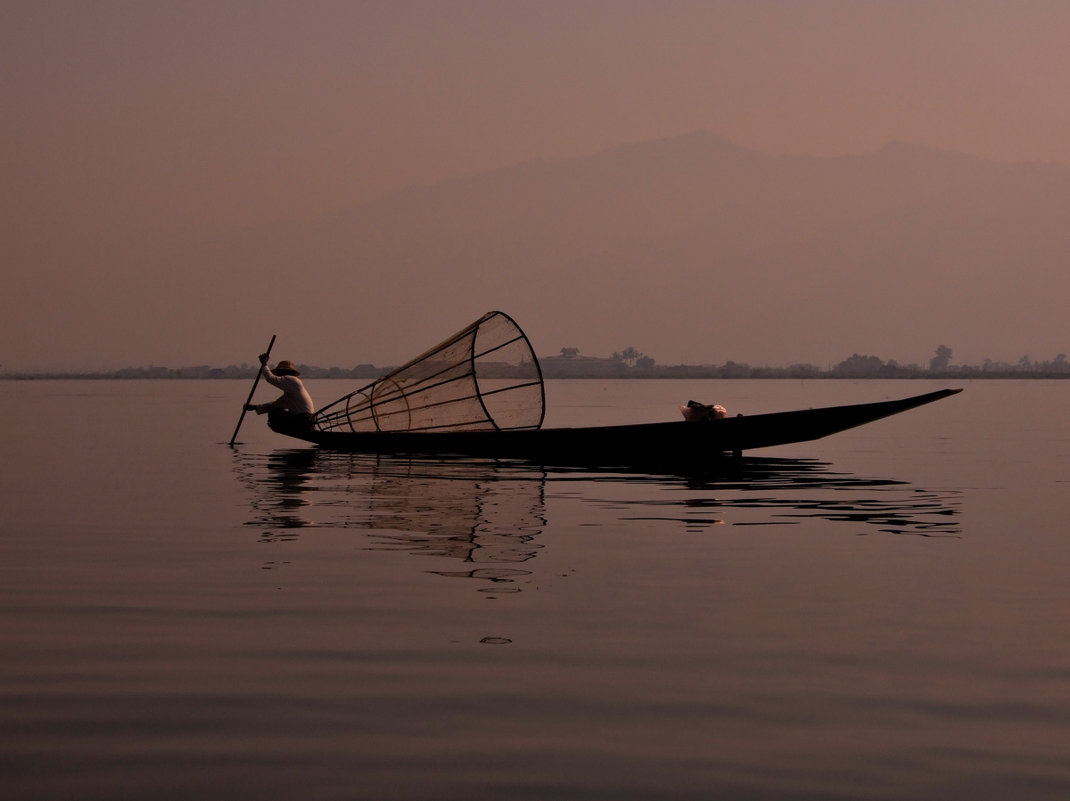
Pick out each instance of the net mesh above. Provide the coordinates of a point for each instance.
(484, 377)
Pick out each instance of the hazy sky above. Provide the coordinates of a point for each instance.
(168, 122)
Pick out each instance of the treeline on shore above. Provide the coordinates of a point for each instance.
(855, 366)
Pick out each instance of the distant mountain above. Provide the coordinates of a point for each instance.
(691, 249)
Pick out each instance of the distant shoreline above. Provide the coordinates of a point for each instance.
(727, 372)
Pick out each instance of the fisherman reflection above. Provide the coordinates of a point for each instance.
(285, 490)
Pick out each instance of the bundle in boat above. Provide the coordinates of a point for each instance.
(484, 377)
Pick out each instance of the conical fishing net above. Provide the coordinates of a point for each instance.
(485, 377)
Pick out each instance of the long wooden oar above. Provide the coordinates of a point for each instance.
(256, 381)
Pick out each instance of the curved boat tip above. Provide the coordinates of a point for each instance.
(940, 394)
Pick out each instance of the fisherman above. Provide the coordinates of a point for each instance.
(294, 408)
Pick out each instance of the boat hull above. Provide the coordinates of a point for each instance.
(675, 442)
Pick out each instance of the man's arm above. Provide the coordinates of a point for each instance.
(267, 373)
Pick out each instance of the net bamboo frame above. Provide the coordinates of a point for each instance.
(484, 377)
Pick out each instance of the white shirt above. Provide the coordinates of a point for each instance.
(295, 397)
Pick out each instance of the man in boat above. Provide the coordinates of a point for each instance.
(294, 408)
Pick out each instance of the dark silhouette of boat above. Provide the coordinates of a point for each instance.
(480, 393)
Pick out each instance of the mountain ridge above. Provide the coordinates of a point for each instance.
(695, 250)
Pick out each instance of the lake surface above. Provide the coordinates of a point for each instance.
(883, 614)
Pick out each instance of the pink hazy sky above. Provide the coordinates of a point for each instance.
(171, 121)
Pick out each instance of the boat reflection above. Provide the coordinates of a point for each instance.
(487, 515)
(788, 491)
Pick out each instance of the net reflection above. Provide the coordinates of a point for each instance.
(483, 513)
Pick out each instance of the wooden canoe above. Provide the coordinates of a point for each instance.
(669, 442)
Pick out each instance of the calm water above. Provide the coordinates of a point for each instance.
(883, 614)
